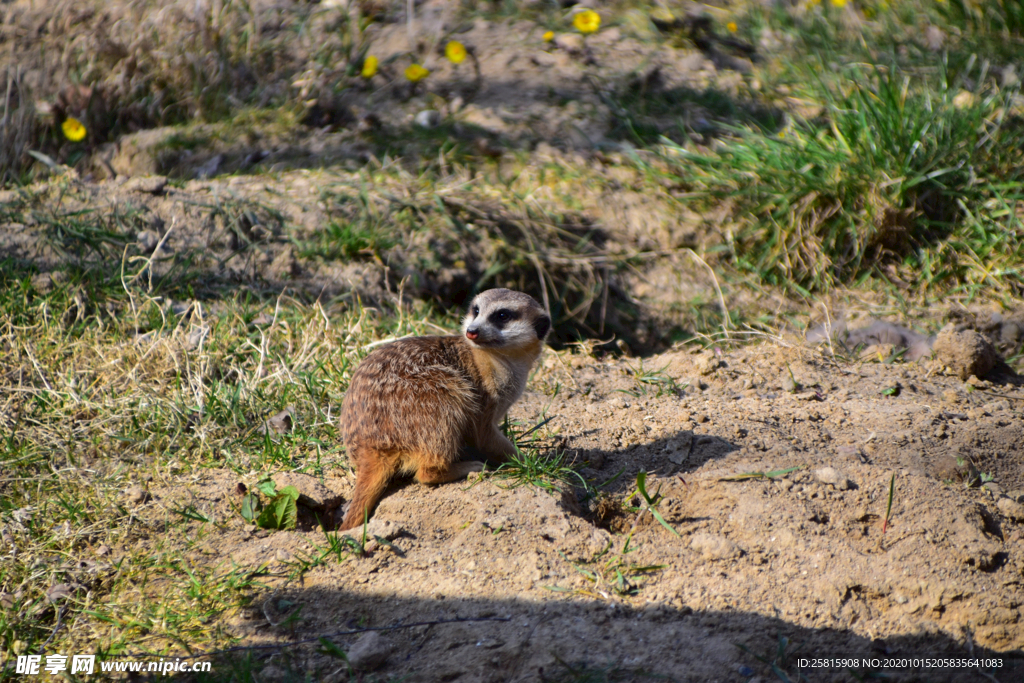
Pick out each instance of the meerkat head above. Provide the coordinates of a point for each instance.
(504, 319)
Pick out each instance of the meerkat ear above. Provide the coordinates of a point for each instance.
(542, 325)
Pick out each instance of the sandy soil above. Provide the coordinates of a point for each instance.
(799, 559)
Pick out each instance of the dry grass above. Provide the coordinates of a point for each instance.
(127, 393)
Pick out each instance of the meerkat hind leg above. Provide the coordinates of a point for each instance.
(443, 475)
(372, 478)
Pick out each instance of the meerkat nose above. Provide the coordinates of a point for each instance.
(472, 334)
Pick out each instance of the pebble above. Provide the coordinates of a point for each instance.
(150, 184)
(428, 118)
(714, 547)
(832, 477)
(135, 495)
(369, 652)
(707, 363)
(570, 42)
(1011, 509)
(148, 239)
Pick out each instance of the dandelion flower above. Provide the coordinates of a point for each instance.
(588, 21)
(732, 27)
(548, 36)
(455, 52)
(369, 66)
(838, 3)
(416, 73)
(73, 129)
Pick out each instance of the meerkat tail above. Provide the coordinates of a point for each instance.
(371, 481)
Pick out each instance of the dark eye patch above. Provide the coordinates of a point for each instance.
(502, 317)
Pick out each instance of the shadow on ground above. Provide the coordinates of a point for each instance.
(455, 637)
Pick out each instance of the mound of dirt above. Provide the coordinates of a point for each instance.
(964, 352)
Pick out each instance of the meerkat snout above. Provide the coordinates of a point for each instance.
(413, 405)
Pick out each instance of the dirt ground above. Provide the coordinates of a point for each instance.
(475, 581)
(799, 559)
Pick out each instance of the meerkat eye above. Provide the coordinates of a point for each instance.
(502, 316)
(476, 311)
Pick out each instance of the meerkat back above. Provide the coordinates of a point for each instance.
(414, 403)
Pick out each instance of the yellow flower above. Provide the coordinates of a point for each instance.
(548, 36)
(455, 52)
(73, 129)
(732, 27)
(416, 73)
(369, 66)
(838, 3)
(587, 21)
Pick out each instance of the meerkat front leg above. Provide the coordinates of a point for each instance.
(495, 446)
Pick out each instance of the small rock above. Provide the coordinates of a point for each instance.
(570, 42)
(490, 643)
(136, 495)
(196, 337)
(707, 363)
(376, 527)
(151, 184)
(1010, 333)
(1009, 76)
(456, 104)
(6, 600)
(369, 652)
(45, 282)
(993, 488)
(428, 118)
(283, 555)
(148, 239)
(181, 308)
(833, 477)
(58, 592)
(714, 547)
(103, 550)
(312, 494)
(993, 407)
(950, 396)
(1011, 508)
(965, 353)
(272, 674)
(789, 384)
(280, 423)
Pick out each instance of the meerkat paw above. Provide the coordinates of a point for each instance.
(454, 472)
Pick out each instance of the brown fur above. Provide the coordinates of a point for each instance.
(414, 403)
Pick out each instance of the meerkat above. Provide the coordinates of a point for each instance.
(415, 404)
